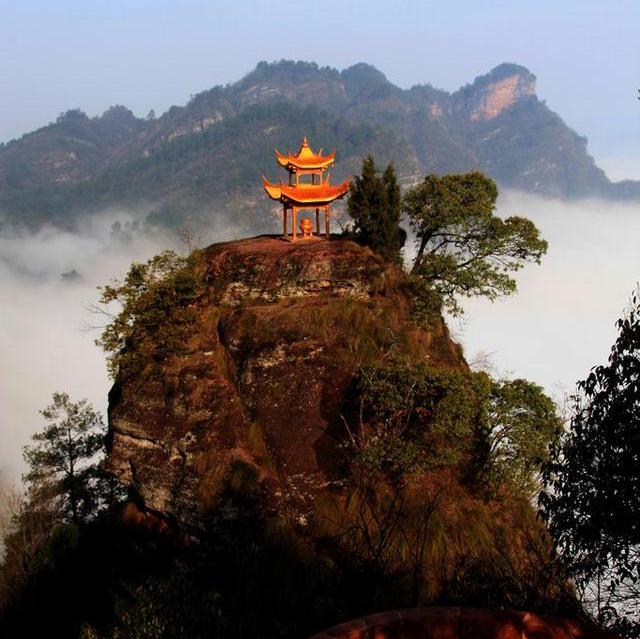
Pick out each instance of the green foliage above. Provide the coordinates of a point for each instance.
(416, 418)
(402, 541)
(521, 425)
(375, 205)
(462, 247)
(592, 484)
(182, 173)
(158, 305)
(194, 159)
(74, 577)
(65, 475)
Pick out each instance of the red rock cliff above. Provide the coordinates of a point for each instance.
(279, 337)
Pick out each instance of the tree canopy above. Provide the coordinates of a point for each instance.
(64, 473)
(499, 430)
(157, 303)
(521, 423)
(462, 247)
(375, 204)
(592, 484)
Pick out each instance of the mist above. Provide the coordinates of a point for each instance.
(48, 280)
(558, 325)
(561, 322)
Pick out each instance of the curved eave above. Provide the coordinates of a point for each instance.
(296, 163)
(319, 195)
(274, 191)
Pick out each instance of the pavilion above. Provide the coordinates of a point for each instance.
(301, 194)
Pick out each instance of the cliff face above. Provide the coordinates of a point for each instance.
(491, 95)
(266, 374)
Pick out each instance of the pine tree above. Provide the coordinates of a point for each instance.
(66, 476)
(375, 204)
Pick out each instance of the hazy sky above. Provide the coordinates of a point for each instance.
(94, 53)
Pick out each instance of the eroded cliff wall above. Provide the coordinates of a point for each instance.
(281, 331)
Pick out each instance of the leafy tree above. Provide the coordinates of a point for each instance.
(521, 424)
(375, 204)
(416, 418)
(64, 474)
(10, 504)
(592, 484)
(157, 304)
(462, 247)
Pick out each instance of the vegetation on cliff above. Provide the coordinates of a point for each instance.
(156, 309)
(375, 205)
(300, 447)
(463, 249)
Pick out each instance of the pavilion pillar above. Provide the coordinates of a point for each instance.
(285, 230)
(326, 220)
(294, 219)
(318, 222)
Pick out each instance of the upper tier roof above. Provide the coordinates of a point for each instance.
(306, 194)
(305, 158)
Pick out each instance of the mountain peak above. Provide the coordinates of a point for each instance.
(507, 70)
(289, 70)
(298, 81)
(491, 94)
(364, 71)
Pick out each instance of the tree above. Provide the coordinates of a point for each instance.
(591, 499)
(64, 465)
(521, 425)
(157, 300)
(462, 247)
(10, 505)
(375, 204)
(417, 418)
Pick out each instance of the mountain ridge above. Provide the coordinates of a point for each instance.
(194, 161)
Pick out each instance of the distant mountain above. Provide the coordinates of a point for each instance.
(204, 160)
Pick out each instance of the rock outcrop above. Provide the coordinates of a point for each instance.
(456, 623)
(492, 94)
(281, 331)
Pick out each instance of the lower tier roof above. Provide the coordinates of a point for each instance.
(306, 194)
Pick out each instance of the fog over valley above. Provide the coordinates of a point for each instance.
(48, 281)
(561, 322)
(558, 325)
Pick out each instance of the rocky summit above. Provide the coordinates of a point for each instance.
(263, 384)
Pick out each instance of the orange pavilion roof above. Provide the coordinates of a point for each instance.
(305, 158)
(306, 194)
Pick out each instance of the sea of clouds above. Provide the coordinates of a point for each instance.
(559, 324)
(48, 282)
(562, 320)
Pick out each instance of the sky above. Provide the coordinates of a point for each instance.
(91, 54)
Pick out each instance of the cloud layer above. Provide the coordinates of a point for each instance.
(562, 320)
(559, 324)
(46, 343)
